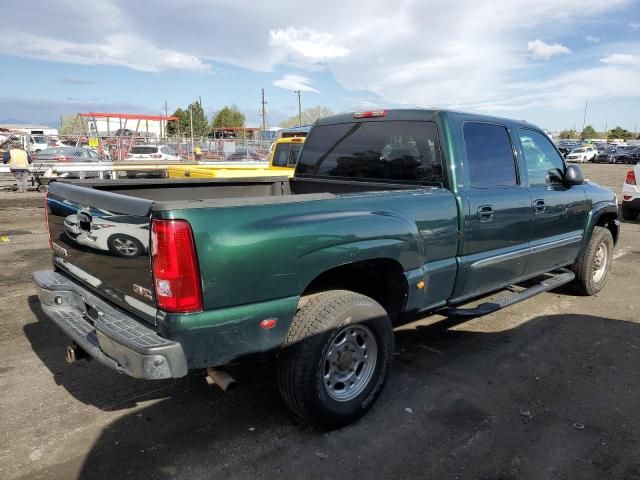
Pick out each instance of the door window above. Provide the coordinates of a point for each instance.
(490, 159)
(544, 164)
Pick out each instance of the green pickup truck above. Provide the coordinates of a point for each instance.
(391, 214)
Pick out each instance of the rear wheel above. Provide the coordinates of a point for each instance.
(124, 245)
(592, 267)
(629, 213)
(336, 359)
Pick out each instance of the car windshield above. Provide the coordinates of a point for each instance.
(39, 139)
(579, 150)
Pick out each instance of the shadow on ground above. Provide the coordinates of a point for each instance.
(554, 398)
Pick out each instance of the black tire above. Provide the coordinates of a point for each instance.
(629, 214)
(124, 245)
(587, 282)
(303, 365)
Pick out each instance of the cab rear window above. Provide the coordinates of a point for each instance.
(286, 154)
(398, 151)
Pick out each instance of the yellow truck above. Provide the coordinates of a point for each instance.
(282, 162)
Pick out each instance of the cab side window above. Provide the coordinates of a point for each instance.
(544, 164)
(490, 159)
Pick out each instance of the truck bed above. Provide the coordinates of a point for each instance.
(164, 193)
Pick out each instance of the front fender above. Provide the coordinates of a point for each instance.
(594, 217)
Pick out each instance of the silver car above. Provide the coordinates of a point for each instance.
(66, 154)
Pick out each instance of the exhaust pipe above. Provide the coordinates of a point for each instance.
(222, 379)
(75, 353)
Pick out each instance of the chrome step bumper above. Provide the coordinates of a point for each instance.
(114, 338)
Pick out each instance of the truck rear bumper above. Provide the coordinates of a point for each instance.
(111, 336)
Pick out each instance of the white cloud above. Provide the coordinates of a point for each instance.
(622, 59)
(295, 82)
(592, 39)
(307, 43)
(634, 25)
(120, 49)
(544, 51)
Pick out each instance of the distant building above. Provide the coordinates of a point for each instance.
(28, 129)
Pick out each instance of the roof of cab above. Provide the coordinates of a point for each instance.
(419, 114)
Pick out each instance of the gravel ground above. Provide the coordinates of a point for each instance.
(545, 389)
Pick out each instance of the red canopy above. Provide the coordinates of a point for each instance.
(129, 116)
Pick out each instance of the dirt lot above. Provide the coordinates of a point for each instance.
(546, 389)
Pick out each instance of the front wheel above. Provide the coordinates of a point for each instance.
(336, 359)
(593, 265)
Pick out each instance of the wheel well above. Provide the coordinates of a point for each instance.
(380, 279)
(607, 220)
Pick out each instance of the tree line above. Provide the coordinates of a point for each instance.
(590, 132)
(226, 117)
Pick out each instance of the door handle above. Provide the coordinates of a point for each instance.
(539, 206)
(485, 213)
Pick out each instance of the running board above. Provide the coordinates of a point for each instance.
(562, 277)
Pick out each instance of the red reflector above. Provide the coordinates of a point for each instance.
(631, 178)
(176, 276)
(370, 114)
(296, 140)
(268, 324)
(626, 197)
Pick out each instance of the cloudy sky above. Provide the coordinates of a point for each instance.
(538, 61)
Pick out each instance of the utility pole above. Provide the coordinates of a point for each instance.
(166, 122)
(191, 122)
(584, 118)
(299, 108)
(264, 115)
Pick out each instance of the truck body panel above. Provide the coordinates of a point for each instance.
(451, 229)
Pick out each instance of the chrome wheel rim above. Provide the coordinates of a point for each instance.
(349, 362)
(125, 246)
(600, 263)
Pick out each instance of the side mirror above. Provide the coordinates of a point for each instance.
(573, 175)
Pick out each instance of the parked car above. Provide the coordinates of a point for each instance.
(582, 155)
(377, 227)
(67, 154)
(629, 155)
(631, 194)
(38, 143)
(152, 152)
(606, 156)
(122, 236)
(564, 151)
(244, 154)
(124, 132)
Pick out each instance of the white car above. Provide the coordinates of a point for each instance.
(631, 194)
(162, 153)
(113, 234)
(582, 154)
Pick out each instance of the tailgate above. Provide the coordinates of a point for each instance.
(102, 239)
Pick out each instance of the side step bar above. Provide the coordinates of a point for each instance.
(561, 277)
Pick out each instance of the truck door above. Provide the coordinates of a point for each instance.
(497, 224)
(559, 211)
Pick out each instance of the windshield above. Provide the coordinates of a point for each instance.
(143, 150)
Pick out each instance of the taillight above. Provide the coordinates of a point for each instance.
(370, 114)
(631, 178)
(176, 276)
(46, 219)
